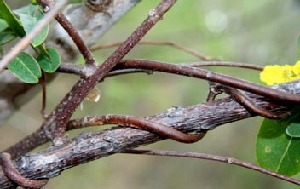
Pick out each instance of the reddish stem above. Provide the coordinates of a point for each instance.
(273, 94)
(135, 122)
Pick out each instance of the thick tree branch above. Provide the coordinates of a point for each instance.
(89, 146)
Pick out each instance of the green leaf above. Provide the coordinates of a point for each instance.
(25, 67)
(3, 25)
(49, 63)
(293, 130)
(42, 49)
(275, 150)
(6, 37)
(13, 22)
(30, 16)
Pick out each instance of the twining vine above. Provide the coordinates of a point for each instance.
(189, 124)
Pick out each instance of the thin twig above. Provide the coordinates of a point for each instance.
(84, 50)
(84, 71)
(23, 43)
(128, 71)
(225, 63)
(211, 157)
(171, 44)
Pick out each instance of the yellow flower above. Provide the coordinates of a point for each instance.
(279, 74)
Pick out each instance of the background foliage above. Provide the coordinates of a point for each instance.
(258, 32)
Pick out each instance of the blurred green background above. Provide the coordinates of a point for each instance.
(257, 32)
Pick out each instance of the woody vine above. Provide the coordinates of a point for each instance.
(277, 147)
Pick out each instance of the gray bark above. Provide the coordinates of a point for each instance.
(90, 146)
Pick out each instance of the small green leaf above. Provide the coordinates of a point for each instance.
(293, 130)
(42, 49)
(30, 16)
(275, 150)
(3, 25)
(6, 37)
(13, 22)
(49, 63)
(25, 67)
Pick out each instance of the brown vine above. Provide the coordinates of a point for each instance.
(176, 123)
